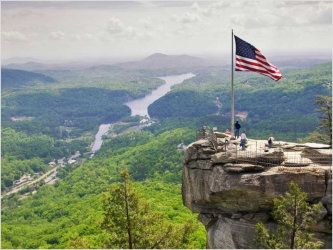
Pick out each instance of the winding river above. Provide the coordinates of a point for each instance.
(140, 106)
(103, 128)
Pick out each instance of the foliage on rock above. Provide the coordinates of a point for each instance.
(295, 218)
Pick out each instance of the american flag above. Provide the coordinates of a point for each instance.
(249, 58)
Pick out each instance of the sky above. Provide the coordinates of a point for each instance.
(62, 30)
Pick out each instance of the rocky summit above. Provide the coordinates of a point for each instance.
(232, 189)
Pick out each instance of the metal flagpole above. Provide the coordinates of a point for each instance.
(232, 83)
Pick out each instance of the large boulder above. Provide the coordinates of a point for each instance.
(233, 190)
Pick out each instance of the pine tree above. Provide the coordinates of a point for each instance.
(323, 133)
(130, 223)
(294, 217)
(325, 103)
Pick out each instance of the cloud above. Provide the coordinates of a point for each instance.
(13, 36)
(319, 14)
(146, 23)
(205, 11)
(84, 37)
(210, 9)
(272, 14)
(57, 35)
(222, 4)
(253, 22)
(115, 26)
(132, 32)
(117, 29)
(188, 17)
(308, 14)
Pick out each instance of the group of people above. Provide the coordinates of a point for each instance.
(243, 136)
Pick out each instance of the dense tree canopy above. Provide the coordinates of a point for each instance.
(66, 112)
(182, 104)
(69, 213)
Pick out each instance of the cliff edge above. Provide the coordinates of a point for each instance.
(232, 190)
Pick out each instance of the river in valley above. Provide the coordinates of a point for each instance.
(140, 106)
(103, 128)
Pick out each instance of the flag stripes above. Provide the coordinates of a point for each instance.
(249, 58)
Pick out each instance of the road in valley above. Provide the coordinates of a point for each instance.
(29, 183)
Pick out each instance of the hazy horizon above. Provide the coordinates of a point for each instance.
(225, 59)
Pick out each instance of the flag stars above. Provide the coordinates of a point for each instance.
(244, 49)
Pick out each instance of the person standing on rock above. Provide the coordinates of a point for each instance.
(243, 140)
(237, 127)
(270, 141)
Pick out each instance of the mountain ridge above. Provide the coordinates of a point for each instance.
(12, 78)
(163, 61)
(155, 61)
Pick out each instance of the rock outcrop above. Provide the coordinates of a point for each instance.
(233, 190)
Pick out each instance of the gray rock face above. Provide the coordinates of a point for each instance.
(230, 233)
(232, 191)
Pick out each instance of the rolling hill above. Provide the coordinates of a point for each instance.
(11, 78)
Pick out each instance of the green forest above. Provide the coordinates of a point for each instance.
(186, 103)
(80, 109)
(57, 215)
(44, 120)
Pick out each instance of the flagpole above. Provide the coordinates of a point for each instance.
(232, 83)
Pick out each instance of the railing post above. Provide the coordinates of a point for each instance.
(236, 153)
(256, 153)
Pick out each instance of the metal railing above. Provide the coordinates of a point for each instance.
(262, 155)
(277, 157)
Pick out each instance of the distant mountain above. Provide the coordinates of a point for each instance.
(41, 67)
(161, 61)
(300, 62)
(155, 62)
(18, 60)
(29, 66)
(11, 78)
(154, 65)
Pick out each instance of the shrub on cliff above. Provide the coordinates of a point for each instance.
(294, 217)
